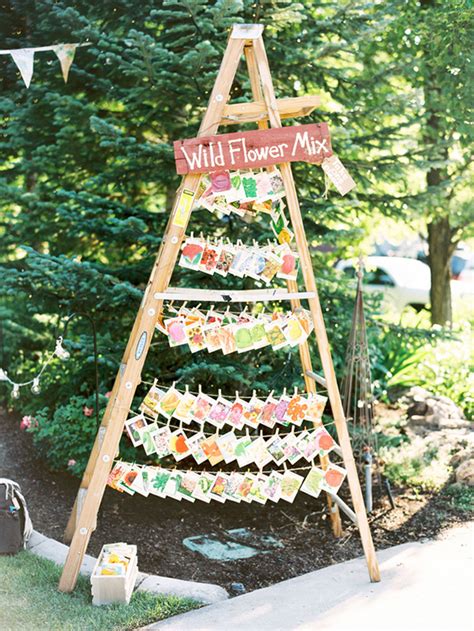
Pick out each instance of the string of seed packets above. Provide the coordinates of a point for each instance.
(222, 330)
(224, 258)
(235, 486)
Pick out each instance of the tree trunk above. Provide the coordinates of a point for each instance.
(440, 250)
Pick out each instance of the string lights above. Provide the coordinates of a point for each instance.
(60, 352)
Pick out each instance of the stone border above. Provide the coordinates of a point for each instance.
(206, 593)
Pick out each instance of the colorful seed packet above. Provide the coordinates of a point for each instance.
(195, 449)
(234, 481)
(212, 337)
(271, 268)
(139, 483)
(289, 265)
(209, 259)
(290, 485)
(219, 412)
(256, 493)
(296, 410)
(253, 411)
(275, 335)
(267, 417)
(249, 182)
(178, 446)
(220, 181)
(292, 453)
(116, 474)
(191, 253)
(236, 414)
(201, 408)
(244, 451)
(294, 331)
(126, 481)
(161, 441)
(146, 437)
(150, 402)
(308, 445)
(169, 402)
(171, 489)
(187, 484)
(315, 407)
(176, 331)
(325, 441)
(313, 482)
(224, 262)
(245, 487)
(272, 486)
(277, 184)
(226, 443)
(183, 409)
(218, 488)
(203, 487)
(260, 454)
(279, 413)
(243, 337)
(259, 336)
(227, 339)
(239, 261)
(195, 337)
(158, 480)
(132, 426)
(333, 478)
(275, 447)
(256, 265)
(211, 449)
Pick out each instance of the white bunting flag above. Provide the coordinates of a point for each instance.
(24, 59)
(65, 53)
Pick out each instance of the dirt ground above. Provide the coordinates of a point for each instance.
(158, 526)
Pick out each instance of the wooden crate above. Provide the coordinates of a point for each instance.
(107, 590)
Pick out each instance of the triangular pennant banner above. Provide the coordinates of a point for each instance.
(24, 59)
(65, 53)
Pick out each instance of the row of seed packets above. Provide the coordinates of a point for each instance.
(230, 333)
(217, 448)
(235, 412)
(235, 486)
(237, 259)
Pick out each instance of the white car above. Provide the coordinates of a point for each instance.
(403, 282)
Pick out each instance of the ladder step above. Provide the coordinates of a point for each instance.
(223, 295)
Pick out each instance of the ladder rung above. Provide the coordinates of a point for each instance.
(253, 111)
(224, 295)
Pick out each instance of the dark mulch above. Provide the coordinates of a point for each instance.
(159, 526)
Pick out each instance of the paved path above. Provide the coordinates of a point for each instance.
(424, 586)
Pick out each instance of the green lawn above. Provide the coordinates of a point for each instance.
(29, 601)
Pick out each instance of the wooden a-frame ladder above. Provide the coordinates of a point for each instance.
(265, 109)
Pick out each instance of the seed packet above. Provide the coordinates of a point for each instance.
(315, 407)
(191, 253)
(306, 320)
(211, 449)
(243, 337)
(279, 413)
(183, 409)
(244, 451)
(324, 440)
(158, 480)
(236, 414)
(178, 446)
(139, 484)
(203, 487)
(256, 265)
(333, 478)
(169, 402)
(245, 487)
(171, 489)
(201, 408)
(227, 339)
(289, 265)
(271, 268)
(253, 411)
(266, 416)
(220, 205)
(219, 412)
(195, 337)
(175, 330)
(272, 486)
(313, 482)
(218, 488)
(236, 191)
(146, 437)
(290, 486)
(150, 402)
(259, 336)
(194, 446)
(277, 184)
(161, 441)
(209, 259)
(126, 481)
(132, 426)
(239, 261)
(226, 443)
(296, 410)
(294, 331)
(256, 493)
(285, 236)
(275, 335)
(308, 445)
(249, 182)
(234, 480)
(260, 454)
(187, 484)
(275, 447)
(292, 453)
(263, 206)
(220, 181)
(116, 474)
(224, 262)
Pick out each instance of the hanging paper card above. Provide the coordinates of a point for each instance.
(178, 445)
(183, 411)
(325, 441)
(126, 481)
(226, 444)
(292, 453)
(285, 236)
(195, 337)
(169, 402)
(315, 407)
(219, 413)
(236, 418)
(245, 487)
(259, 336)
(195, 449)
(212, 451)
(309, 446)
(161, 441)
(175, 329)
(338, 174)
(132, 426)
(333, 478)
(313, 481)
(257, 493)
(224, 261)
(227, 339)
(275, 335)
(279, 413)
(249, 182)
(253, 411)
(234, 481)
(116, 474)
(290, 485)
(191, 254)
(220, 181)
(138, 483)
(296, 410)
(260, 454)
(256, 265)
(271, 268)
(218, 488)
(243, 337)
(187, 484)
(244, 451)
(266, 416)
(201, 408)
(212, 337)
(209, 259)
(293, 331)
(272, 488)
(158, 480)
(172, 484)
(275, 449)
(276, 182)
(203, 487)
(183, 209)
(289, 266)
(147, 440)
(150, 402)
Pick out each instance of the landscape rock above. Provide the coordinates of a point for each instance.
(465, 473)
(431, 411)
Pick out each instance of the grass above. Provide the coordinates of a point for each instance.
(462, 497)
(29, 600)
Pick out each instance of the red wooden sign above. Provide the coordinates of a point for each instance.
(259, 148)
